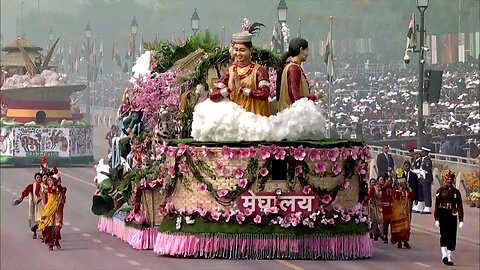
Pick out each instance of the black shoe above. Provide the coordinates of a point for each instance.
(399, 245)
(385, 241)
(447, 262)
(375, 238)
(407, 245)
(383, 238)
(34, 236)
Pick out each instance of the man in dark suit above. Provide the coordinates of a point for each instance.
(412, 181)
(385, 163)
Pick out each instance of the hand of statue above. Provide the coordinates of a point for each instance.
(319, 95)
(437, 223)
(236, 81)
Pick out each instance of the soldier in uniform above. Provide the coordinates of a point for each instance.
(448, 206)
(427, 180)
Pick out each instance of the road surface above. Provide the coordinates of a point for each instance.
(83, 247)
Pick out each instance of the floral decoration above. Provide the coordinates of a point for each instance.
(269, 216)
(258, 168)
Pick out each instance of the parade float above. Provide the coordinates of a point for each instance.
(37, 117)
(228, 183)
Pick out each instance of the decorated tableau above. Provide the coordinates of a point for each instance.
(223, 191)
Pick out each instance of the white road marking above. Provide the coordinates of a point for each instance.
(15, 193)
(96, 240)
(78, 179)
(289, 265)
(422, 264)
(109, 248)
(132, 262)
(145, 269)
(86, 234)
(120, 255)
(66, 224)
(75, 229)
(8, 190)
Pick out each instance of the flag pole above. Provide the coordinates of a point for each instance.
(330, 77)
(114, 61)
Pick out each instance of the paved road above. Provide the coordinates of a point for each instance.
(83, 247)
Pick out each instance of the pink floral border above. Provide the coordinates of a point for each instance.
(137, 239)
(261, 246)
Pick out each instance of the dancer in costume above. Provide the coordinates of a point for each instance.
(387, 205)
(34, 192)
(244, 82)
(448, 207)
(375, 208)
(49, 216)
(293, 82)
(401, 211)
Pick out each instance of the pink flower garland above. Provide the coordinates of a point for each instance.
(270, 216)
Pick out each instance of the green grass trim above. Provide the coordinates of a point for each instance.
(52, 161)
(205, 227)
(324, 143)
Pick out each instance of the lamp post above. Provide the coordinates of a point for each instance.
(422, 6)
(133, 32)
(195, 21)
(88, 35)
(282, 10)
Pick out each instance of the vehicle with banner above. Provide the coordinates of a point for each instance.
(36, 111)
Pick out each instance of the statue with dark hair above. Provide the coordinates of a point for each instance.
(292, 84)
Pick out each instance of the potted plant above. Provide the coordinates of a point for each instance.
(474, 198)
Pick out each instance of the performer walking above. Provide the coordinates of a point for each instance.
(387, 206)
(48, 219)
(401, 211)
(35, 203)
(448, 206)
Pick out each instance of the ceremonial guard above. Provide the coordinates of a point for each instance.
(448, 206)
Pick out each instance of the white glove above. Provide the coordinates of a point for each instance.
(437, 223)
(460, 225)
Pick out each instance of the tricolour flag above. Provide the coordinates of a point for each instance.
(100, 58)
(275, 43)
(328, 56)
(411, 33)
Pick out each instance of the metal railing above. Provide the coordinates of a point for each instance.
(472, 163)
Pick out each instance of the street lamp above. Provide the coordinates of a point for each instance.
(88, 35)
(282, 10)
(133, 32)
(195, 21)
(422, 6)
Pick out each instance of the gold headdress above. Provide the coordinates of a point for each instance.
(448, 175)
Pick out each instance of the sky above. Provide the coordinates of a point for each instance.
(110, 19)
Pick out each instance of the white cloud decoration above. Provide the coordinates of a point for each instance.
(227, 121)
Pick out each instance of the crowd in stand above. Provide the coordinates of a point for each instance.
(385, 105)
(383, 102)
